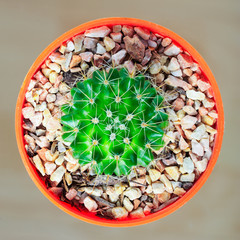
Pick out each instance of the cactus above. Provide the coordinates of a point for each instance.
(114, 121)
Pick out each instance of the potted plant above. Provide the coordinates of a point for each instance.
(119, 122)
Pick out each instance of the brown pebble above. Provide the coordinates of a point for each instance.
(106, 56)
(190, 102)
(134, 47)
(116, 48)
(98, 60)
(90, 43)
(117, 28)
(152, 44)
(187, 185)
(202, 111)
(178, 104)
(118, 57)
(160, 166)
(142, 32)
(153, 37)
(136, 203)
(130, 66)
(127, 30)
(166, 42)
(147, 57)
(86, 56)
(116, 37)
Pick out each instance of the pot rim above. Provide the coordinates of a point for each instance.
(86, 216)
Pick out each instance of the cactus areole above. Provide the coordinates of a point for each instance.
(115, 121)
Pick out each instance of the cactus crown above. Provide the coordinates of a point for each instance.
(114, 121)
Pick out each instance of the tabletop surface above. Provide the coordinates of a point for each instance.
(211, 26)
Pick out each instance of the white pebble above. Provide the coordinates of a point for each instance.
(138, 213)
(70, 46)
(177, 73)
(176, 184)
(61, 147)
(197, 104)
(38, 163)
(208, 103)
(63, 88)
(203, 86)
(154, 174)
(172, 115)
(208, 154)
(31, 84)
(28, 112)
(188, 165)
(96, 191)
(188, 121)
(58, 174)
(205, 143)
(173, 172)
(90, 204)
(53, 124)
(127, 204)
(109, 43)
(43, 142)
(197, 148)
(36, 119)
(98, 32)
(100, 49)
(113, 195)
(132, 193)
(167, 183)
(195, 95)
(199, 132)
(41, 107)
(51, 98)
(187, 177)
(158, 188)
(78, 42)
(172, 50)
(119, 212)
(183, 144)
(173, 65)
(189, 110)
(201, 165)
(50, 167)
(155, 67)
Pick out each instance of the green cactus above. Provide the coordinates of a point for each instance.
(114, 121)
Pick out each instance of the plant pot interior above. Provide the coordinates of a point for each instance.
(119, 122)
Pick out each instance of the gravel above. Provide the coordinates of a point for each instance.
(189, 138)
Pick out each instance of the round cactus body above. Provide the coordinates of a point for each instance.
(114, 121)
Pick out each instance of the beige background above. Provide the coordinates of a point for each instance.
(27, 27)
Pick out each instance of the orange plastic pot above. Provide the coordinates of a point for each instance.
(87, 216)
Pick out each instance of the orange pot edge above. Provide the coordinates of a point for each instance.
(83, 215)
